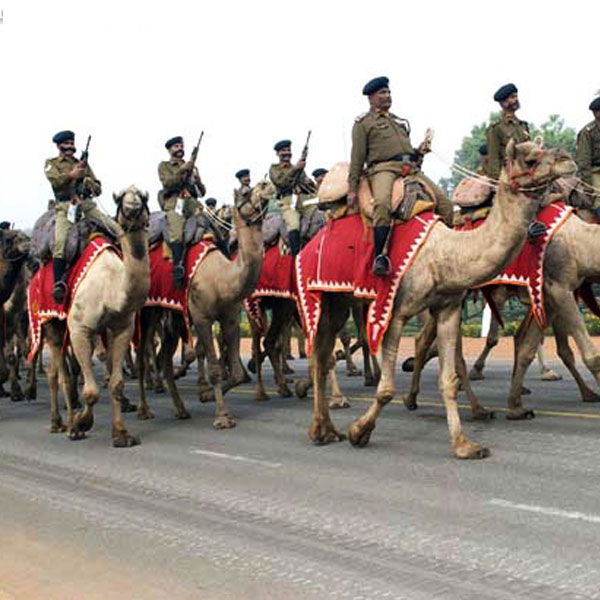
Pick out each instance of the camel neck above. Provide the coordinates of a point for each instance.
(9, 273)
(250, 253)
(136, 285)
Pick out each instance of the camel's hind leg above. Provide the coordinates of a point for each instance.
(448, 331)
(172, 333)
(148, 318)
(57, 375)
(336, 398)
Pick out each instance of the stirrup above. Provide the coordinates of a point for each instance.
(59, 292)
(178, 276)
(381, 266)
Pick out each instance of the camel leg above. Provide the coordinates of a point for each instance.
(274, 343)
(351, 370)
(148, 318)
(57, 376)
(491, 341)
(261, 394)
(230, 329)
(119, 344)
(336, 399)
(547, 373)
(360, 431)
(333, 316)
(568, 358)
(423, 341)
(81, 342)
(526, 342)
(171, 337)
(31, 381)
(222, 419)
(16, 393)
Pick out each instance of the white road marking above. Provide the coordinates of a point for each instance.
(544, 510)
(255, 461)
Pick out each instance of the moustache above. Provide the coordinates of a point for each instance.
(178, 154)
(69, 149)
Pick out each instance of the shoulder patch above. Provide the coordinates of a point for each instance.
(360, 117)
(48, 165)
(591, 126)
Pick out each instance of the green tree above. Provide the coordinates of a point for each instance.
(553, 132)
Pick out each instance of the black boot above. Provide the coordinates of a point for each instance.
(178, 268)
(59, 266)
(381, 264)
(294, 239)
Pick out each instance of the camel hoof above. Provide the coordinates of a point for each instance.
(551, 375)
(370, 381)
(144, 414)
(182, 414)
(592, 397)
(262, 396)
(411, 403)
(251, 364)
(159, 387)
(323, 432)
(31, 393)
(470, 450)
(16, 395)
(84, 423)
(302, 387)
(284, 391)
(525, 391)
(520, 414)
(224, 422)
(124, 439)
(408, 366)
(360, 432)
(476, 375)
(482, 414)
(206, 396)
(76, 434)
(338, 402)
(57, 427)
(126, 406)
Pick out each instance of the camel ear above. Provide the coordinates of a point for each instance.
(511, 150)
(145, 197)
(539, 141)
(116, 198)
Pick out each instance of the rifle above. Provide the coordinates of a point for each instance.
(303, 157)
(80, 187)
(194, 156)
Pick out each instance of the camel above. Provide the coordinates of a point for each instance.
(215, 294)
(106, 301)
(447, 266)
(14, 251)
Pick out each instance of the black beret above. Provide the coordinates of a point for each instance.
(282, 144)
(483, 150)
(210, 202)
(63, 136)
(505, 91)
(375, 85)
(4, 225)
(174, 140)
(242, 173)
(595, 104)
(319, 172)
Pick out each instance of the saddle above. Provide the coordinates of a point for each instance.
(197, 228)
(410, 195)
(273, 228)
(42, 237)
(470, 193)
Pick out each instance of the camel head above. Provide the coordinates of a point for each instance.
(132, 209)
(530, 167)
(254, 203)
(14, 244)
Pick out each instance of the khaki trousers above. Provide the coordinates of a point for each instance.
(175, 221)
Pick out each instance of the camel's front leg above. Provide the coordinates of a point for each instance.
(360, 431)
(261, 394)
(147, 325)
(336, 399)
(57, 376)
(448, 330)
(423, 342)
(120, 342)
(171, 337)
(333, 316)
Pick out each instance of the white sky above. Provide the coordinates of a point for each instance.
(250, 73)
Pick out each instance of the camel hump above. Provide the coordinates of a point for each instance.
(335, 184)
(472, 192)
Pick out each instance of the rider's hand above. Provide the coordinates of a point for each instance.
(301, 164)
(77, 171)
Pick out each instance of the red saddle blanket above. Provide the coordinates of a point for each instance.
(40, 303)
(277, 279)
(340, 259)
(527, 269)
(162, 287)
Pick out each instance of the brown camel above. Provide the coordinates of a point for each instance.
(447, 266)
(14, 251)
(215, 294)
(106, 301)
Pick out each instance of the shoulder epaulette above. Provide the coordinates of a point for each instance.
(360, 117)
(48, 164)
(590, 126)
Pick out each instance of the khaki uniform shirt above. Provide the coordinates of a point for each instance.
(283, 177)
(57, 171)
(172, 178)
(240, 193)
(378, 137)
(587, 155)
(498, 134)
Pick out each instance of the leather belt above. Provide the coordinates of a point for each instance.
(409, 158)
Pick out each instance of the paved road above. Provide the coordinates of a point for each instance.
(258, 512)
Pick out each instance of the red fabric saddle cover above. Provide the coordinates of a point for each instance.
(340, 259)
(527, 269)
(40, 303)
(162, 287)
